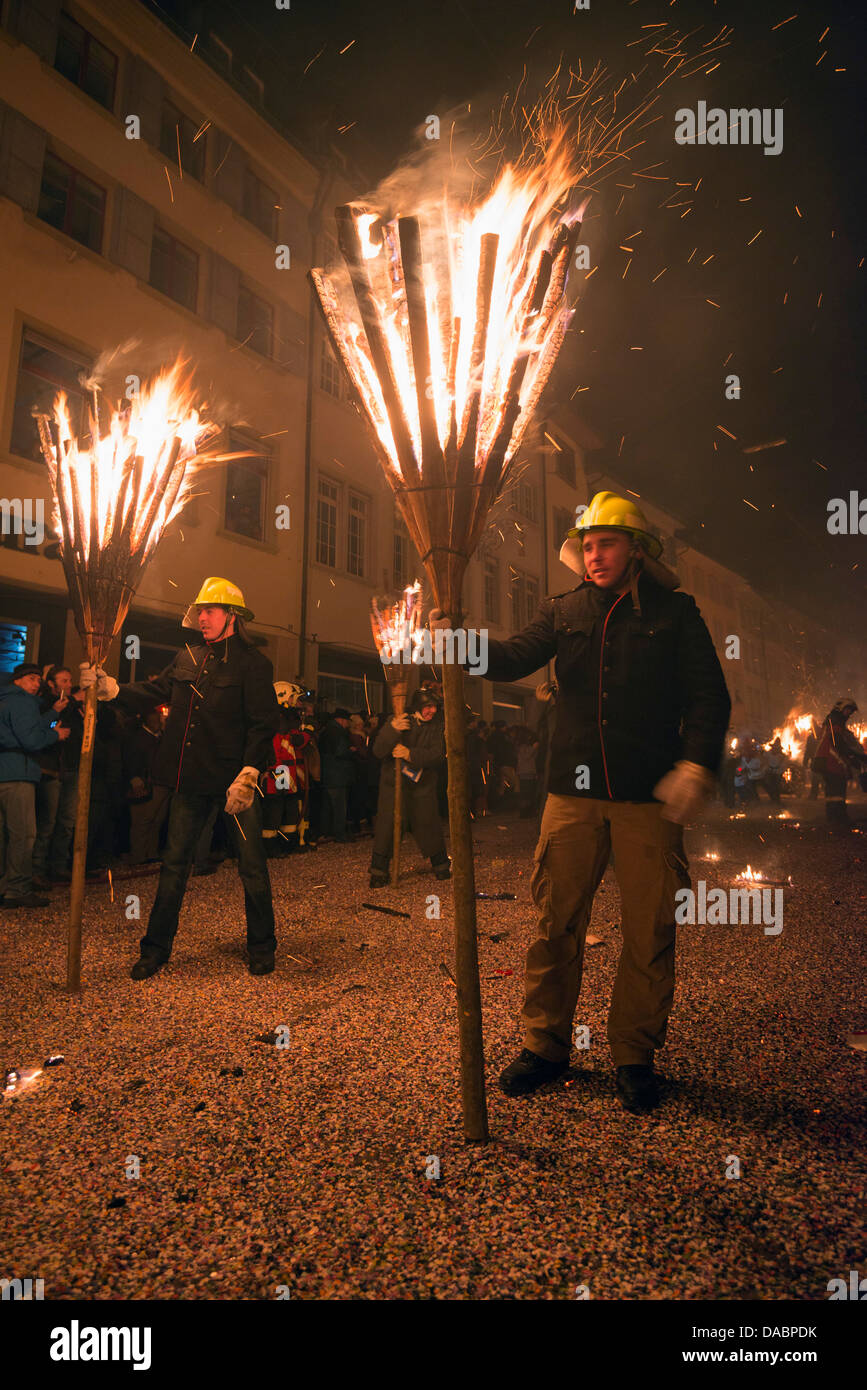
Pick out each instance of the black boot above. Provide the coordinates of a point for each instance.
(378, 879)
(528, 1072)
(442, 867)
(146, 966)
(637, 1088)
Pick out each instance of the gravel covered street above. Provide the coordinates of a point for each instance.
(301, 1170)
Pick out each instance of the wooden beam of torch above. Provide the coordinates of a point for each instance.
(350, 246)
(433, 464)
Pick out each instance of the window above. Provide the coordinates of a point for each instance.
(531, 596)
(526, 501)
(564, 463)
(356, 535)
(400, 576)
(178, 131)
(326, 523)
(255, 322)
(492, 590)
(220, 54)
(246, 492)
(259, 204)
(564, 521)
(348, 692)
(44, 369)
(329, 370)
(85, 61)
(174, 269)
(71, 202)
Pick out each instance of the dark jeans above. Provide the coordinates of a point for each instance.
(334, 812)
(187, 815)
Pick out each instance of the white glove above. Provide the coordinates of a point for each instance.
(106, 686)
(243, 789)
(436, 618)
(683, 790)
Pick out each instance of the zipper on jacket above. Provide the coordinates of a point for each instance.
(599, 694)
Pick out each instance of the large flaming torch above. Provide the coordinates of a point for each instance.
(113, 501)
(448, 320)
(395, 631)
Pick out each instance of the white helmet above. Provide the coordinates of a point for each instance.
(288, 693)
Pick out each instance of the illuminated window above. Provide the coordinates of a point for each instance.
(356, 535)
(326, 523)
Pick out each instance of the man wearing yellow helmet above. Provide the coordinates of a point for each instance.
(641, 715)
(223, 715)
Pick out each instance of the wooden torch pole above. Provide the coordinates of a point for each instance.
(464, 896)
(398, 705)
(79, 852)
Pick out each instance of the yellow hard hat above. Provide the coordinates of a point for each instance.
(221, 592)
(616, 513)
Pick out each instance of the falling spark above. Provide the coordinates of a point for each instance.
(193, 44)
(713, 302)
(349, 45)
(750, 504)
(656, 277)
(798, 211)
(628, 264)
(758, 448)
(756, 237)
(168, 176)
(238, 823)
(178, 139)
(201, 130)
(725, 431)
(313, 59)
(783, 21)
(110, 886)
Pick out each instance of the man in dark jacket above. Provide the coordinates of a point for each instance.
(642, 710)
(25, 731)
(338, 774)
(411, 745)
(223, 715)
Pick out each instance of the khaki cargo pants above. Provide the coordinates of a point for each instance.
(575, 843)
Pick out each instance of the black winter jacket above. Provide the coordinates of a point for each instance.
(427, 750)
(636, 693)
(223, 714)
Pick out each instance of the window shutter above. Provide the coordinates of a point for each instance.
(293, 228)
(225, 281)
(290, 351)
(229, 165)
(132, 234)
(36, 25)
(143, 97)
(22, 155)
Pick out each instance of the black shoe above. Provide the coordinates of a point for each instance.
(205, 869)
(146, 966)
(528, 1072)
(261, 965)
(378, 880)
(28, 900)
(637, 1088)
(442, 871)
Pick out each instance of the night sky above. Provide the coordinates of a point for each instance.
(776, 242)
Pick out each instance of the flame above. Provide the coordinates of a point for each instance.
(749, 875)
(397, 624)
(525, 213)
(793, 734)
(114, 486)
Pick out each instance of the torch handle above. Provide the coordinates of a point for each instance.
(398, 704)
(79, 852)
(464, 890)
